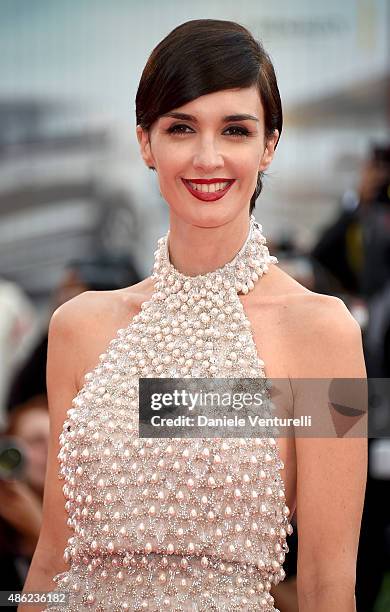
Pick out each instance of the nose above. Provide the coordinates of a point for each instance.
(207, 158)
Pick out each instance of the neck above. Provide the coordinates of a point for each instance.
(197, 250)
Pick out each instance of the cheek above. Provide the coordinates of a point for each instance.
(171, 161)
(247, 168)
(168, 176)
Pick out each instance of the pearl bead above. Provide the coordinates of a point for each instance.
(162, 577)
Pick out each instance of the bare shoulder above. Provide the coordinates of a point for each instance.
(333, 311)
(308, 310)
(317, 313)
(89, 321)
(320, 335)
(325, 340)
(90, 306)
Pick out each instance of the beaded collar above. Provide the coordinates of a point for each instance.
(242, 272)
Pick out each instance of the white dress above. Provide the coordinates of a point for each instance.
(173, 524)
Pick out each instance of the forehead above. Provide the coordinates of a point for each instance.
(225, 102)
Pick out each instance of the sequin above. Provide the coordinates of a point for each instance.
(177, 524)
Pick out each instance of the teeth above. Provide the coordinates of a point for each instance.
(208, 188)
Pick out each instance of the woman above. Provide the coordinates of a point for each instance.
(199, 524)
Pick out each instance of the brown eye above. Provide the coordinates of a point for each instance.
(238, 130)
(178, 129)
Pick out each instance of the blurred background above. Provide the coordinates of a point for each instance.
(79, 210)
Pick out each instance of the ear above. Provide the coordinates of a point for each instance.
(269, 151)
(144, 145)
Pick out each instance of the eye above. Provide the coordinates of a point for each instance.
(238, 130)
(178, 129)
(181, 129)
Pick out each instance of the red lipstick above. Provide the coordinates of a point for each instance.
(208, 196)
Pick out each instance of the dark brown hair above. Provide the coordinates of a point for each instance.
(203, 56)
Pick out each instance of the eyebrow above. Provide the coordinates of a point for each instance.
(185, 117)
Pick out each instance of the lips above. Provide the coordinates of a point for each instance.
(220, 186)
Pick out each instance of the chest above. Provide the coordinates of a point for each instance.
(269, 327)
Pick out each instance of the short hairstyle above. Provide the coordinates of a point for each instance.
(202, 56)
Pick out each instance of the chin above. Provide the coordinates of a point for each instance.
(213, 215)
(210, 217)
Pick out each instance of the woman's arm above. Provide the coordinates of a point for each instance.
(63, 352)
(331, 471)
(80, 330)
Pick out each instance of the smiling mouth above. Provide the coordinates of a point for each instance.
(205, 186)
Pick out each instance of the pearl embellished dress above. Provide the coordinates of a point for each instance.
(173, 524)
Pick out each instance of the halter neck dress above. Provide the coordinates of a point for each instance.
(173, 524)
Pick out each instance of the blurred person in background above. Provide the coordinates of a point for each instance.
(18, 327)
(352, 259)
(374, 547)
(353, 253)
(21, 493)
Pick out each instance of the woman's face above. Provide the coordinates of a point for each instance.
(216, 136)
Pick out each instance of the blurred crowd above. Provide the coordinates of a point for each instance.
(351, 260)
